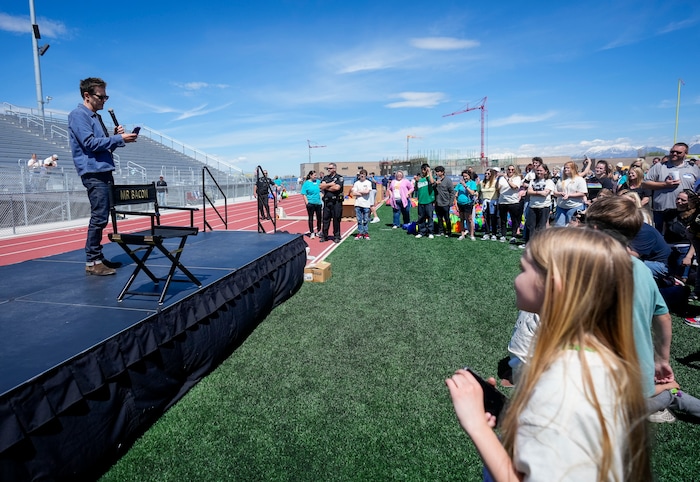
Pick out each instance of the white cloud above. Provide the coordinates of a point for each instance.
(443, 43)
(201, 110)
(521, 119)
(417, 99)
(195, 86)
(21, 24)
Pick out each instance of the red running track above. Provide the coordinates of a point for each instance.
(242, 216)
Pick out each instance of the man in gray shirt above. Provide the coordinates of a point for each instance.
(667, 179)
(444, 197)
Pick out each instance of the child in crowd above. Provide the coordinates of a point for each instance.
(361, 191)
(578, 409)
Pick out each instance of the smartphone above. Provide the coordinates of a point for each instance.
(494, 401)
(136, 130)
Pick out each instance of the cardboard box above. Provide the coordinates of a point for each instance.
(318, 272)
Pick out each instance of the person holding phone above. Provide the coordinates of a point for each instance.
(578, 411)
(92, 146)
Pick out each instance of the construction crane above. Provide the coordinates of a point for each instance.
(481, 105)
(407, 138)
(311, 147)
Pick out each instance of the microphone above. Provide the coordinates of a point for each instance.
(114, 117)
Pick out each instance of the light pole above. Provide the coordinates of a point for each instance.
(38, 51)
(678, 106)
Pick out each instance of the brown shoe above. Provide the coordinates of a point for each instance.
(99, 269)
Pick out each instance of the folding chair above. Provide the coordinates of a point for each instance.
(149, 239)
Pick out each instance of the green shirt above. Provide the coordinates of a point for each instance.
(426, 191)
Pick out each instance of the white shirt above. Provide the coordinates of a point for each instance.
(508, 195)
(571, 186)
(559, 434)
(362, 200)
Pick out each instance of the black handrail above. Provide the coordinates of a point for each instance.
(205, 199)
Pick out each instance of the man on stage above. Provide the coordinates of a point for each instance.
(92, 147)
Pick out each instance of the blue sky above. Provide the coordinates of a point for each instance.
(251, 82)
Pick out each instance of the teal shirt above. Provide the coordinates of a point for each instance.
(463, 196)
(312, 191)
(647, 304)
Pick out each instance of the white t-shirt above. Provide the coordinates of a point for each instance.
(571, 186)
(508, 195)
(559, 435)
(537, 201)
(362, 200)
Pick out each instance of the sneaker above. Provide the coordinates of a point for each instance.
(694, 322)
(358, 236)
(394, 227)
(312, 236)
(522, 246)
(99, 269)
(692, 298)
(366, 236)
(430, 236)
(512, 240)
(418, 236)
(503, 239)
(461, 238)
(336, 240)
(322, 239)
(493, 237)
(486, 237)
(111, 264)
(662, 416)
(374, 220)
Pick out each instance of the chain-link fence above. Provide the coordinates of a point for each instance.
(29, 200)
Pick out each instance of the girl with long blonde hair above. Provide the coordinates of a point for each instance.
(578, 412)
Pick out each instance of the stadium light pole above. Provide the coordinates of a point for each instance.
(37, 68)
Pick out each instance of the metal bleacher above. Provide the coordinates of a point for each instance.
(29, 198)
(22, 133)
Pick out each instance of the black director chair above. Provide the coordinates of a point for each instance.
(149, 239)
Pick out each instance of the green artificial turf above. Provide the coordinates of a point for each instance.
(345, 381)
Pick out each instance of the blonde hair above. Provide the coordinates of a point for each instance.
(572, 168)
(640, 177)
(588, 292)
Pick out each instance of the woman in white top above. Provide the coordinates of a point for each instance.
(578, 412)
(540, 192)
(509, 201)
(571, 194)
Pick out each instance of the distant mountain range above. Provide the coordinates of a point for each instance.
(621, 150)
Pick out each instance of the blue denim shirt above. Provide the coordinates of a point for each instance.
(92, 151)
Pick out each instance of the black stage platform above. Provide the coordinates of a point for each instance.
(82, 375)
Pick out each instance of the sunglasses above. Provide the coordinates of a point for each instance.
(676, 152)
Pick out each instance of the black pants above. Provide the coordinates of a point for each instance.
(515, 217)
(535, 220)
(263, 205)
(332, 211)
(443, 217)
(311, 210)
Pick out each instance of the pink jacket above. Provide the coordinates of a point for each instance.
(406, 188)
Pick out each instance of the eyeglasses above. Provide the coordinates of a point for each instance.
(101, 97)
(676, 152)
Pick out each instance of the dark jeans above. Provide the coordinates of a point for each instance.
(264, 205)
(515, 216)
(311, 210)
(332, 211)
(98, 185)
(535, 220)
(425, 219)
(443, 216)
